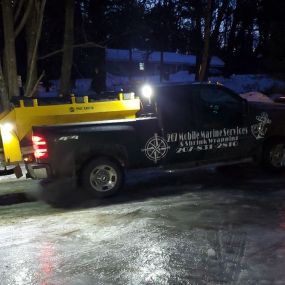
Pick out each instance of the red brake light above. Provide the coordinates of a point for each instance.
(40, 147)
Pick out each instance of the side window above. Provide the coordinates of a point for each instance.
(218, 96)
(217, 107)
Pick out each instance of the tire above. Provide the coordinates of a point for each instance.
(274, 156)
(102, 177)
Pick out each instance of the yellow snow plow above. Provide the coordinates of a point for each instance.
(16, 124)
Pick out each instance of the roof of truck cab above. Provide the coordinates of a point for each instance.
(187, 84)
(191, 86)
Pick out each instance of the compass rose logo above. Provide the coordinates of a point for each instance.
(156, 148)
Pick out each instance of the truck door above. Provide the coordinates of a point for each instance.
(224, 131)
(176, 112)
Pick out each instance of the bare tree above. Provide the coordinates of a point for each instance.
(67, 48)
(16, 16)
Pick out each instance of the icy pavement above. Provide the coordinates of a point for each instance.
(17, 186)
(199, 227)
(7, 178)
(9, 184)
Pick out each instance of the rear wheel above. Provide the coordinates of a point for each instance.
(102, 177)
(274, 156)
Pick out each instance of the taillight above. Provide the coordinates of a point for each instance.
(40, 147)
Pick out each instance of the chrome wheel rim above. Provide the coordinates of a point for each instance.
(277, 156)
(103, 178)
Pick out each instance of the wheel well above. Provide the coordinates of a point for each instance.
(115, 154)
(259, 152)
(267, 163)
(272, 139)
(266, 143)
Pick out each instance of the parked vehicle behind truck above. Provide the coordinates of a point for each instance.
(181, 126)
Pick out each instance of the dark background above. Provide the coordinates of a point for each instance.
(249, 35)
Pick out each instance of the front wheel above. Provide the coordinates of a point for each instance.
(274, 156)
(102, 177)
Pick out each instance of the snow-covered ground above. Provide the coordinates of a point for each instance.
(239, 83)
(10, 184)
(13, 177)
(181, 229)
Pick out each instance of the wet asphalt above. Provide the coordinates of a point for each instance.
(207, 226)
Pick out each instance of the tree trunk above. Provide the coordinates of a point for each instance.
(198, 38)
(232, 35)
(205, 56)
(33, 34)
(221, 13)
(67, 49)
(10, 64)
(4, 102)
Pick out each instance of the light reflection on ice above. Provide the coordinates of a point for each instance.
(46, 262)
(154, 265)
(23, 277)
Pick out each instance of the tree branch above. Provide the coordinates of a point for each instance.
(83, 45)
(18, 10)
(35, 86)
(219, 20)
(24, 19)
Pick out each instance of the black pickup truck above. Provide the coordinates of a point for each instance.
(185, 125)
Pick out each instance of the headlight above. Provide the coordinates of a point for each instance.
(6, 132)
(7, 127)
(147, 91)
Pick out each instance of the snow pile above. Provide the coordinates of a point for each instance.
(239, 83)
(119, 55)
(82, 86)
(182, 76)
(249, 82)
(256, 97)
(52, 90)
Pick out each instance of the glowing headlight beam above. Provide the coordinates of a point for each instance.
(7, 127)
(147, 91)
(6, 132)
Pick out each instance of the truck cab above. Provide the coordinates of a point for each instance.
(203, 122)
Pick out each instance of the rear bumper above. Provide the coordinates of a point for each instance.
(38, 171)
